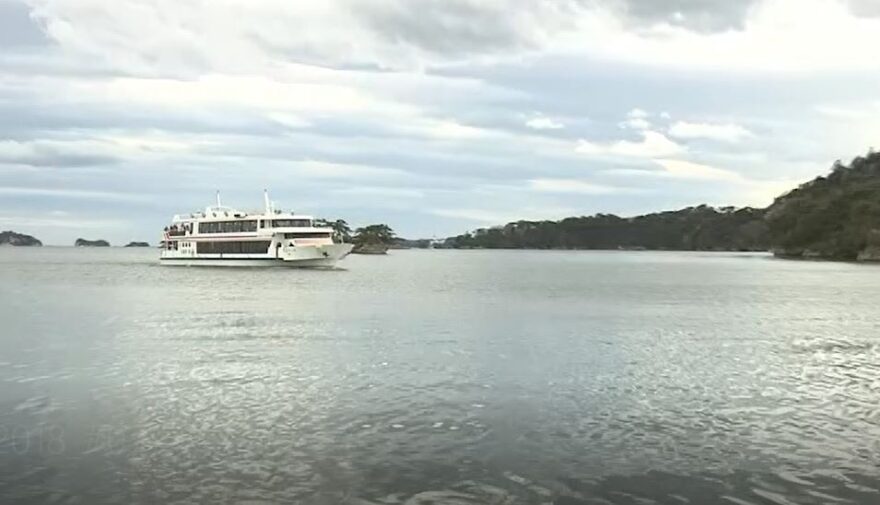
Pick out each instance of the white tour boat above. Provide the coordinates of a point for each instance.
(225, 236)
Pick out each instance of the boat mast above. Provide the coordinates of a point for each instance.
(218, 198)
(266, 202)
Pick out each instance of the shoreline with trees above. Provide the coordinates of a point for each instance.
(833, 217)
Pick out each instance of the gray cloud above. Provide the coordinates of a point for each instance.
(461, 27)
(867, 8)
(32, 117)
(458, 26)
(52, 154)
(706, 15)
(700, 15)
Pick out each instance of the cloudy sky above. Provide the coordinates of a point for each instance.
(435, 116)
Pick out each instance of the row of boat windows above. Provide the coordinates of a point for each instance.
(308, 234)
(248, 247)
(236, 247)
(289, 223)
(227, 227)
(250, 226)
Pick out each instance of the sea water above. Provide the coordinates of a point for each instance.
(439, 377)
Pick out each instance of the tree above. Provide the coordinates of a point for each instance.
(341, 230)
(374, 234)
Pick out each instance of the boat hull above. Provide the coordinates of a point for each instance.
(235, 262)
(324, 256)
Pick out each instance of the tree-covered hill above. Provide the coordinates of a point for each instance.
(834, 217)
(700, 228)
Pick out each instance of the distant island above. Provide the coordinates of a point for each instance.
(372, 239)
(420, 243)
(11, 238)
(835, 217)
(137, 244)
(81, 242)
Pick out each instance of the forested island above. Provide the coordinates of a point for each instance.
(81, 242)
(12, 238)
(831, 217)
(137, 244)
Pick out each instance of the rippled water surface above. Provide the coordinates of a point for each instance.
(431, 377)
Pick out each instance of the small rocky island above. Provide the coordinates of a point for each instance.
(373, 239)
(370, 249)
(137, 244)
(11, 238)
(81, 242)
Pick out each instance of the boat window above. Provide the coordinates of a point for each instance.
(233, 247)
(313, 234)
(291, 223)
